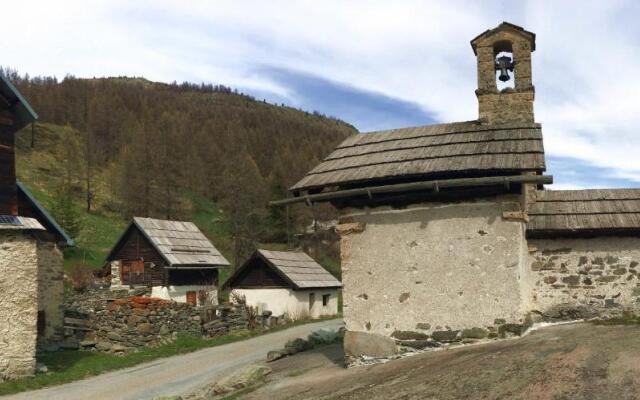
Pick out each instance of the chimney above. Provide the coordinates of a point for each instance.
(505, 91)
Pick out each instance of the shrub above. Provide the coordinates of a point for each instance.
(81, 276)
(251, 312)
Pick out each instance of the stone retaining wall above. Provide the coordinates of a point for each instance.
(124, 324)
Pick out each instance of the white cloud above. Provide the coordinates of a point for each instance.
(585, 66)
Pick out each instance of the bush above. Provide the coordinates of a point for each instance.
(251, 312)
(81, 276)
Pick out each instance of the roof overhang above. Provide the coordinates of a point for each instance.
(505, 26)
(49, 220)
(15, 104)
(435, 185)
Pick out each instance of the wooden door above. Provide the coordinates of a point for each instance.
(192, 298)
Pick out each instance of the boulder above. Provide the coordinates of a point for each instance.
(474, 333)
(240, 379)
(445, 336)
(297, 345)
(409, 335)
(275, 355)
(368, 344)
(323, 336)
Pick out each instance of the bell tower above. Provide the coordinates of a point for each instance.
(505, 90)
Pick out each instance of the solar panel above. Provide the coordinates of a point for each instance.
(9, 220)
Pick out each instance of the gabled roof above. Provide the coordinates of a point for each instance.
(179, 243)
(530, 36)
(295, 267)
(428, 152)
(12, 100)
(592, 211)
(42, 215)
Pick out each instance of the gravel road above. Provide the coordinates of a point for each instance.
(176, 375)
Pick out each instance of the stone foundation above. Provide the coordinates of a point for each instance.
(18, 304)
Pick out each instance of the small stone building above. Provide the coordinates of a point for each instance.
(31, 261)
(286, 283)
(448, 233)
(173, 258)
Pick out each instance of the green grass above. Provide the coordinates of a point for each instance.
(68, 366)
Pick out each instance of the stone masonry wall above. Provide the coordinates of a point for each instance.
(601, 275)
(123, 324)
(431, 271)
(50, 291)
(18, 304)
(509, 105)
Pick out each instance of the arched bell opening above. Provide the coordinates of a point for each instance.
(504, 65)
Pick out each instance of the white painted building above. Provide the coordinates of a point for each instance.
(286, 283)
(173, 258)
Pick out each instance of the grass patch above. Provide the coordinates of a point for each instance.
(68, 366)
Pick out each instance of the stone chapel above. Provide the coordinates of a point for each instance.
(449, 232)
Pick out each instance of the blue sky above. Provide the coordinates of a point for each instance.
(374, 64)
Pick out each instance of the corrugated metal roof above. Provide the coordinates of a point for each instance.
(592, 210)
(433, 150)
(180, 242)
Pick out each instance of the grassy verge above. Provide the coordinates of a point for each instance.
(69, 366)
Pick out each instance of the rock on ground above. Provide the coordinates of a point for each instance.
(577, 361)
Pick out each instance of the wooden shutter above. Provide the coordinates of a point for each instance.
(125, 268)
(192, 298)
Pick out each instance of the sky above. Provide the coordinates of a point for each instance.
(374, 64)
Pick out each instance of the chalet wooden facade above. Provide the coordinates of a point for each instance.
(174, 258)
(31, 263)
(286, 283)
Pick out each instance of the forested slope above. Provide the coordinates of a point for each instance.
(104, 150)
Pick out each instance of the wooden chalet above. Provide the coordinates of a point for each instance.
(165, 254)
(286, 282)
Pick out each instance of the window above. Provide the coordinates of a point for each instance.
(312, 299)
(325, 299)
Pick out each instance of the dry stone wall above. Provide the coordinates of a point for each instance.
(599, 275)
(126, 323)
(18, 304)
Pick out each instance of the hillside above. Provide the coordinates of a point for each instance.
(107, 149)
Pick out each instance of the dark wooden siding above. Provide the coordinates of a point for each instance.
(193, 277)
(258, 275)
(135, 246)
(8, 201)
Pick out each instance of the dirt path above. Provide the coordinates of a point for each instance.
(175, 375)
(577, 361)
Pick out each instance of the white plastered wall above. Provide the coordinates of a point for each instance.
(447, 266)
(282, 301)
(179, 293)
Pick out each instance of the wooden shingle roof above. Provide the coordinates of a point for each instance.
(585, 211)
(297, 268)
(428, 151)
(180, 243)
